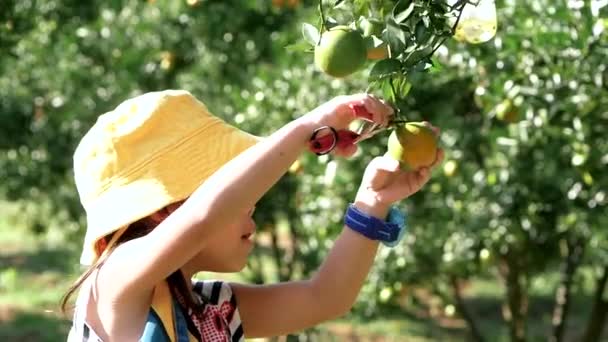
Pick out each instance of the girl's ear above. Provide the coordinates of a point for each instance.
(163, 213)
(159, 216)
(173, 206)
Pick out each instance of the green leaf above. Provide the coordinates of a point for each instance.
(423, 65)
(373, 42)
(422, 33)
(299, 47)
(436, 66)
(331, 22)
(311, 34)
(395, 36)
(385, 68)
(387, 90)
(395, 89)
(416, 57)
(402, 10)
(439, 7)
(426, 20)
(402, 87)
(371, 26)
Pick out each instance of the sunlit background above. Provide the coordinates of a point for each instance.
(508, 242)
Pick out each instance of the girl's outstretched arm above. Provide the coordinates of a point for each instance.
(289, 307)
(134, 268)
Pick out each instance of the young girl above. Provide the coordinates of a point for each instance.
(169, 190)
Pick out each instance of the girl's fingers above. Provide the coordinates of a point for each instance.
(385, 163)
(438, 158)
(408, 183)
(435, 130)
(416, 179)
(381, 172)
(389, 111)
(424, 173)
(344, 103)
(421, 177)
(381, 112)
(372, 107)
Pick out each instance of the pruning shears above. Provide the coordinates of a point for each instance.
(342, 138)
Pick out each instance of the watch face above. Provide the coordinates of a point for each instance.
(397, 218)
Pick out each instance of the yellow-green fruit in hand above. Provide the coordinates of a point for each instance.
(413, 144)
(341, 52)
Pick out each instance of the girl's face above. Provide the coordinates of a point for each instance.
(227, 250)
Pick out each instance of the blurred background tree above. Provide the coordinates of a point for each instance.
(516, 215)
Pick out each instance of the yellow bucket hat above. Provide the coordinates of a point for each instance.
(149, 152)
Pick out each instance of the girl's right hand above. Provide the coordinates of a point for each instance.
(338, 113)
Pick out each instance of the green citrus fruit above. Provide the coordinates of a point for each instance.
(414, 144)
(341, 52)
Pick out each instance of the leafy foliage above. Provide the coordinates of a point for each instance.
(522, 116)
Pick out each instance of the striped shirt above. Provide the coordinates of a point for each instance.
(221, 319)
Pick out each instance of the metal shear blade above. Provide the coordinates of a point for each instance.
(368, 129)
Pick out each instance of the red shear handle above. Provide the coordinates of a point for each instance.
(342, 138)
(326, 143)
(361, 112)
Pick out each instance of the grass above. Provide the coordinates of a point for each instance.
(28, 326)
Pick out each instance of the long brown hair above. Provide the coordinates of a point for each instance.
(176, 280)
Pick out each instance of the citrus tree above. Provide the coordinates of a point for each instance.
(65, 63)
(522, 190)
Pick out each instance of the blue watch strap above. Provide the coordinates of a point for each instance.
(397, 217)
(374, 228)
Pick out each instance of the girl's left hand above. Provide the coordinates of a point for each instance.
(385, 183)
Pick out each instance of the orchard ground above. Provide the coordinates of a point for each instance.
(34, 273)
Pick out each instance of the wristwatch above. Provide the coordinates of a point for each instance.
(389, 232)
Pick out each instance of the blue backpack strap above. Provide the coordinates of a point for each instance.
(154, 331)
(181, 325)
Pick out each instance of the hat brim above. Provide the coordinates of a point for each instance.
(171, 176)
